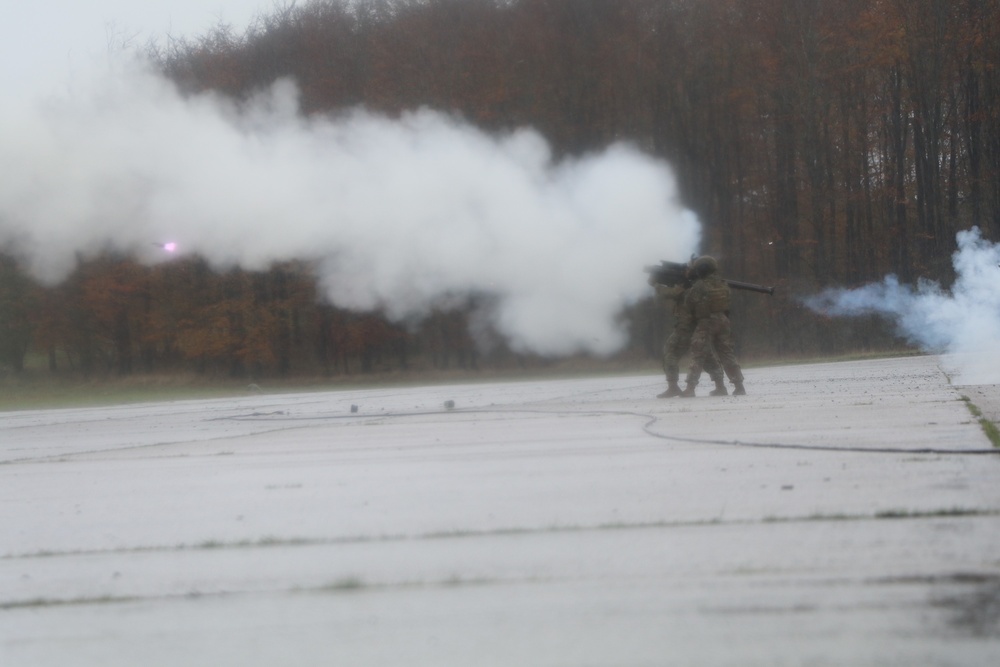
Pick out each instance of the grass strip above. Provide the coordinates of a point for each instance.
(989, 428)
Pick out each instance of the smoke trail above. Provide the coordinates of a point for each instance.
(397, 213)
(963, 323)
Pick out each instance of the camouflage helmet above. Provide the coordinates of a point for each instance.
(705, 265)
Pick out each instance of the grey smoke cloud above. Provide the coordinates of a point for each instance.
(397, 213)
(963, 322)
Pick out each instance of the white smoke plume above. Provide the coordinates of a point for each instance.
(397, 213)
(963, 323)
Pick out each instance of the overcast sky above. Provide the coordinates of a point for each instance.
(44, 42)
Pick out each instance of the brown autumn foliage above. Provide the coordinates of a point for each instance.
(821, 142)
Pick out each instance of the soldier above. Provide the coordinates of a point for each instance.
(679, 341)
(707, 303)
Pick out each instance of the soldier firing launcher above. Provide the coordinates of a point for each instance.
(675, 273)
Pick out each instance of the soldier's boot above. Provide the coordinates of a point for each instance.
(673, 389)
(738, 389)
(688, 390)
(720, 387)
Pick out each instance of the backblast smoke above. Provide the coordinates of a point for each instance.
(963, 323)
(397, 213)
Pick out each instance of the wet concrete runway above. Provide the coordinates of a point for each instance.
(842, 513)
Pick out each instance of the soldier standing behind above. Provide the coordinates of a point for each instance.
(707, 302)
(679, 341)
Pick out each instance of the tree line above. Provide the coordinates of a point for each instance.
(821, 143)
(116, 316)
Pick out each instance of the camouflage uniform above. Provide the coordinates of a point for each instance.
(707, 302)
(679, 341)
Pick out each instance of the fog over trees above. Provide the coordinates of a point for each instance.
(820, 143)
